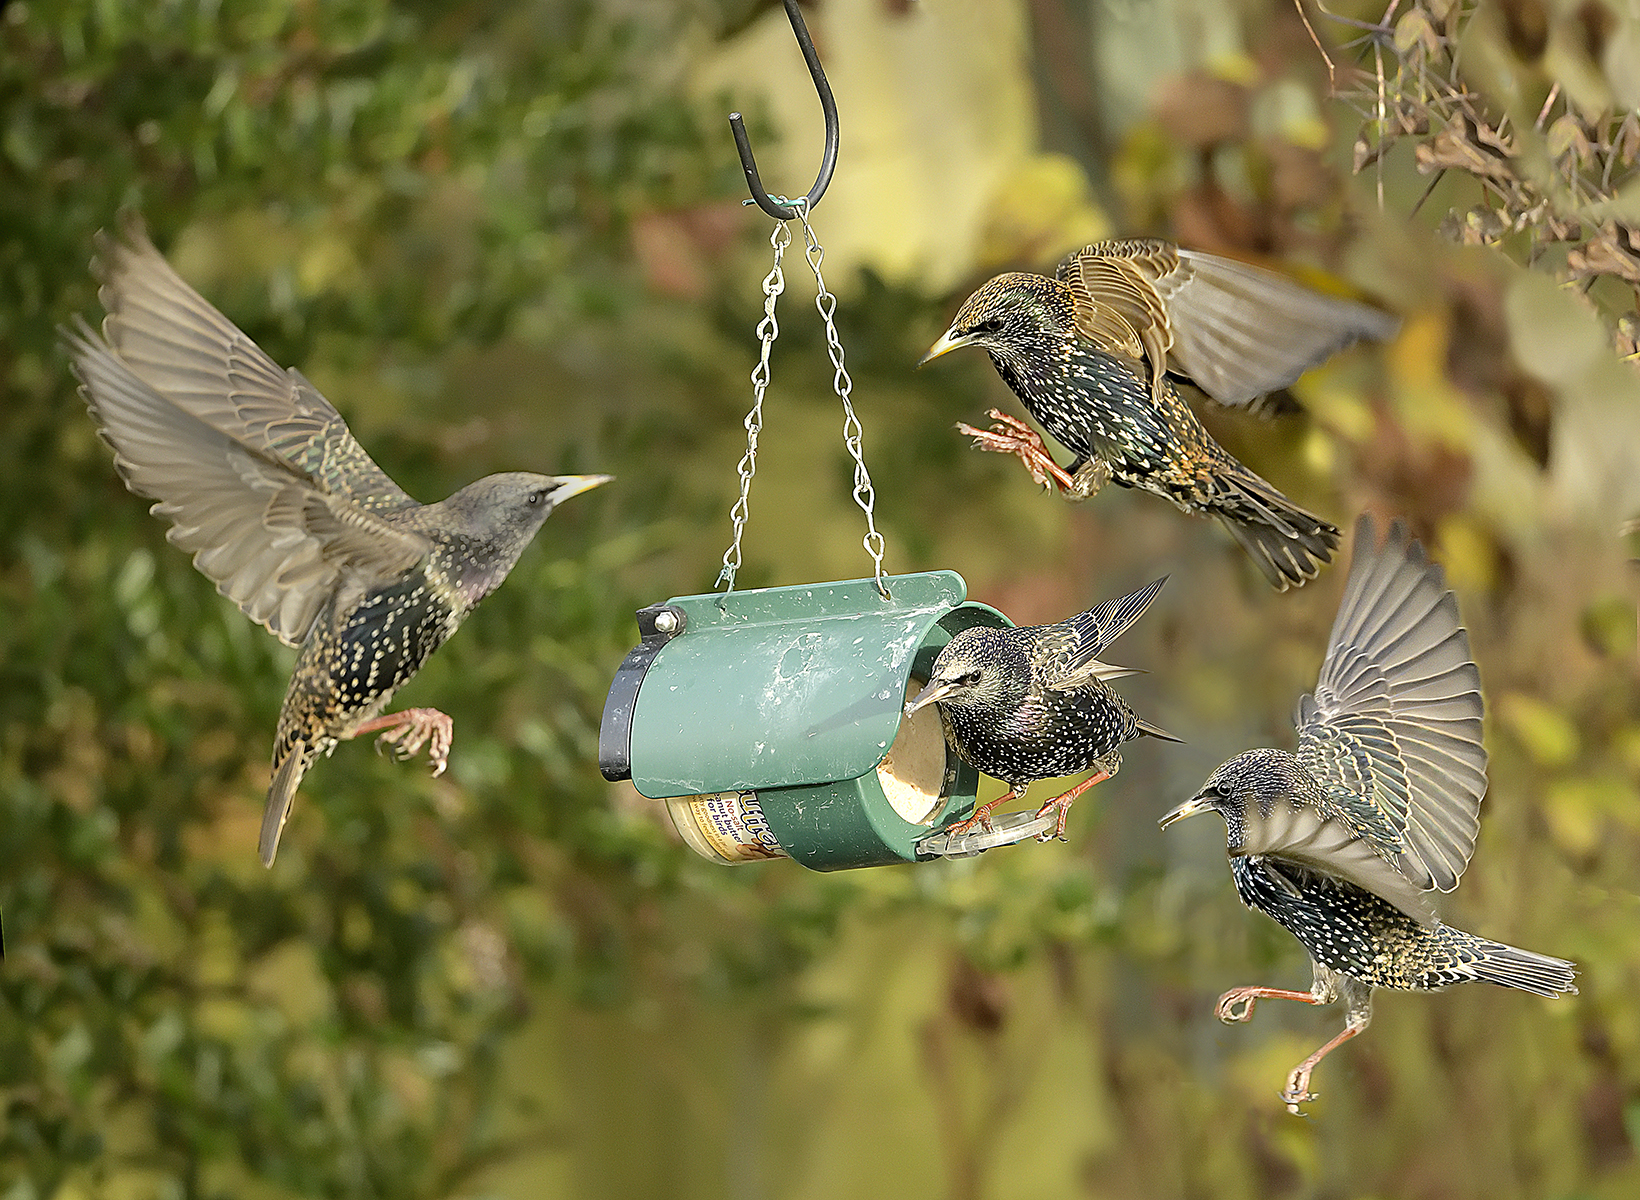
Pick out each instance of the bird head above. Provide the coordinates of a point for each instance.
(1008, 315)
(504, 512)
(516, 503)
(1246, 789)
(974, 671)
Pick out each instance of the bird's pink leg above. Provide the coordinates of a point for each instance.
(1010, 435)
(982, 815)
(1298, 1082)
(1063, 803)
(407, 731)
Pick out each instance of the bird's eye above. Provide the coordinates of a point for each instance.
(989, 325)
(535, 498)
(970, 679)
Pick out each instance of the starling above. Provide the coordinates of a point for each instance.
(1093, 354)
(1034, 703)
(1344, 843)
(265, 486)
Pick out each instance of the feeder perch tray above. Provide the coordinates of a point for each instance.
(770, 721)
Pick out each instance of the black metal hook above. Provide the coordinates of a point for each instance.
(828, 106)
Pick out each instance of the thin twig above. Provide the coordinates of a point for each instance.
(1383, 119)
(1543, 113)
(1428, 191)
(1319, 48)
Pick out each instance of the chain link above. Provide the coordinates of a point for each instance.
(767, 331)
(864, 494)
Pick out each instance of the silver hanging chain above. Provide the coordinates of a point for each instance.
(767, 330)
(864, 494)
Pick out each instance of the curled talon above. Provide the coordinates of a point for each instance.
(408, 731)
(1010, 435)
(1237, 998)
(981, 818)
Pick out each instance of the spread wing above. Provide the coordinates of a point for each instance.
(1344, 840)
(1393, 729)
(1067, 654)
(1236, 330)
(1240, 331)
(257, 473)
(177, 343)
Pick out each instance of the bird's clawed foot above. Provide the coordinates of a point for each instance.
(407, 731)
(1063, 804)
(1010, 435)
(1298, 1090)
(981, 818)
(1236, 1005)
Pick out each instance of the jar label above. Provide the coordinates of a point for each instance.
(733, 825)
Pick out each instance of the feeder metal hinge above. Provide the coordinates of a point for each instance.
(657, 625)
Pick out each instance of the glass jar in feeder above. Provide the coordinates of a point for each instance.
(770, 721)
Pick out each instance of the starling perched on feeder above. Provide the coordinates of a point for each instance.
(1344, 842)
(1033, 703)
(265, 486)
(1093, 352)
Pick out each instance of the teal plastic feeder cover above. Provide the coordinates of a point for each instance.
(771, 720)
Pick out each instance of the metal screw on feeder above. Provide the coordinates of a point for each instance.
(771, 721)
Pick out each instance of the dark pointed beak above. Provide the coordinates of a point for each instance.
(949, 341)
(928, 695)
(1196, 804)
(565, 486)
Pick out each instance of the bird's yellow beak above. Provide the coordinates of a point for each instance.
(927, 696)
(565, 486)
(1189, 808)
(949, 341)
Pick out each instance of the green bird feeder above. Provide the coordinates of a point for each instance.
(770, 721)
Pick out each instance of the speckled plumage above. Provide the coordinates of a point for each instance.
(1033, 703)
(1351, 931)
(1345, 842)
(1090, 353)
(266, 487)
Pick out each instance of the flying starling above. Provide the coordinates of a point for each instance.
(1093, 354)
(1034, 703)
(1345, 842)
(265, 486)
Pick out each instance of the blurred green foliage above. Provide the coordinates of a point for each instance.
(506, 236)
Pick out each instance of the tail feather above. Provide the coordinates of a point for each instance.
(1510, 966)
(287, 774)
(1155, 731)
(1288, 544)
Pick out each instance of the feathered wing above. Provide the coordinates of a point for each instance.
(1240, 331)
(1237, 331)
(1394, 725)
(272, 537)
(1068, 653)
(1121, 290)
(176, 342)
(1338, 840)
